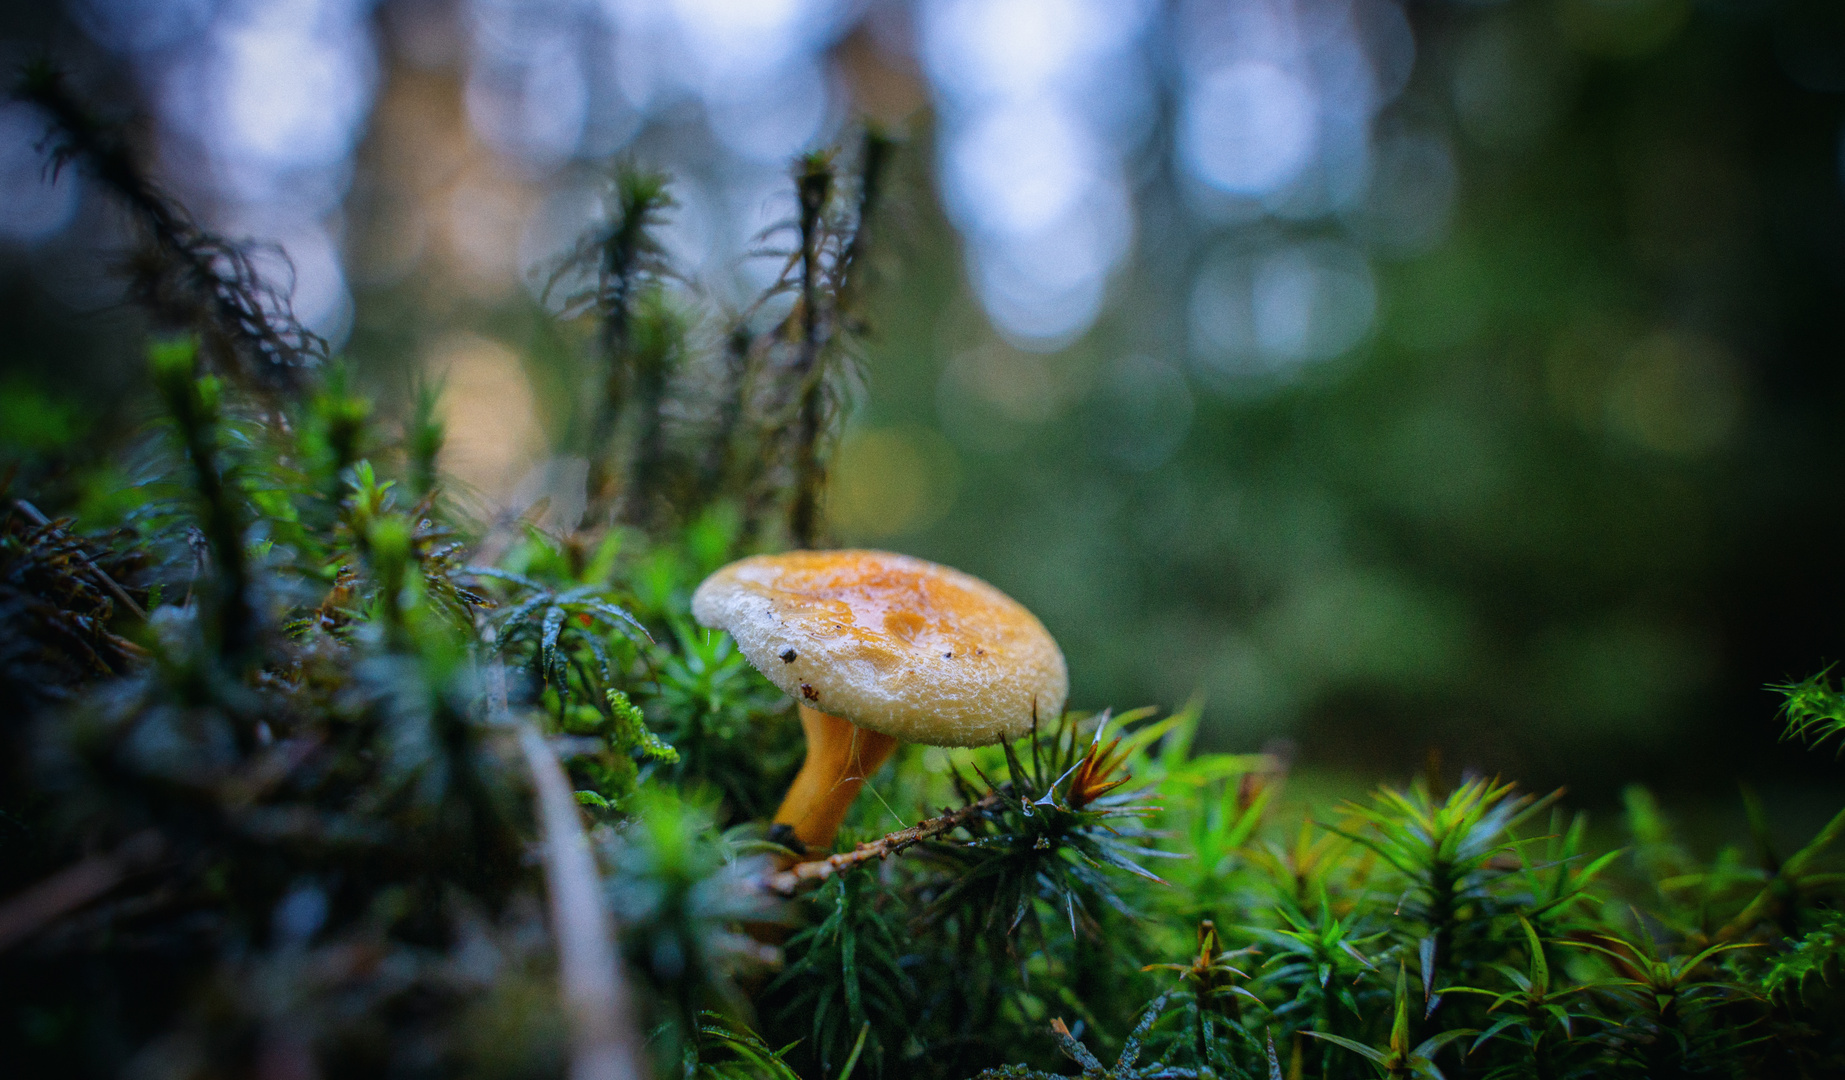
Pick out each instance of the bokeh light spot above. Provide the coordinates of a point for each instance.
(489, 413)
(888, 481)
(533, 106)
(1676, 393)
(991, 398)
(33, 206)
(1249, 128)
(303, 263)
(487, 213)
(772, 119)
(1020, 168)
(1272, 310)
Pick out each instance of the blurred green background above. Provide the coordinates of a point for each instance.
(1461, 376)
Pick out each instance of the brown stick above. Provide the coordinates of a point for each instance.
(38, 518)
(604, 1043)
(28, 912)
(788, 881)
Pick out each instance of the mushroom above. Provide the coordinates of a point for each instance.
(876, 648)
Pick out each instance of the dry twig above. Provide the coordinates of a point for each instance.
(71, 888)
(37, 517)
(604, 1043)
(787, 882)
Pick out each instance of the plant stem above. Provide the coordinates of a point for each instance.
(619, 269)
(1441, 919)
(651, 365)
(816, 185)
(874, 161)
(188, 277)
(715, 469)
(196, 419)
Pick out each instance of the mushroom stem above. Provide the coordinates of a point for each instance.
(840, 757)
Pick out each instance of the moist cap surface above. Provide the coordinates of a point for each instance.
(896, 644)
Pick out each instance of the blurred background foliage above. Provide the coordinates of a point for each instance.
(1452, 375)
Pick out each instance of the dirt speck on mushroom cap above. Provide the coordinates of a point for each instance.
(893, 643)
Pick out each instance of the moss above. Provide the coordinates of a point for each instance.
(268, 815)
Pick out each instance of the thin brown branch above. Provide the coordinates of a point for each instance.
(71, 888)
(38, 518)
(604, 1043)
(789, 881)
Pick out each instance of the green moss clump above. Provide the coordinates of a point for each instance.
(268, 812)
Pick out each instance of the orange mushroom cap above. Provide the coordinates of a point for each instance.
(894, 644)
